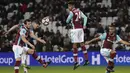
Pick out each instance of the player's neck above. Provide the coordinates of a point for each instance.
(111, 34)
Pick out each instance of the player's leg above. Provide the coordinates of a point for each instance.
(17, 53)
(17, 64)
(85, 53)
(23, 59)
(110, 66)
(107, 54)
(24, 62)
(75, 54)
(107, 60)
(36, 57)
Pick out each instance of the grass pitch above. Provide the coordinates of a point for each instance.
(67, 69)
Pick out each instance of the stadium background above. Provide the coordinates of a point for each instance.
(100, 13)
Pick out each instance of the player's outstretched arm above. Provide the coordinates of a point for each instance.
(89, 42)
(124, 42)
(36, 38)
(12, 28)
(101, 37)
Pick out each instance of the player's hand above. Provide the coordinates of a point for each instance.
(87, 42)
(5, 33)
(32, 46)
(42, 41)
(84, 27)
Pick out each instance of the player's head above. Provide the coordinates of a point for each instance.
(27, 23)
(71, 5)
(35, 25)
(112, 28)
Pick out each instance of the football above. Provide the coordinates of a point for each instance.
(45, 21)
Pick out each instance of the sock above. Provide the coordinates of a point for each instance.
(36, 57)
(75, 54)
(23, 58)
(111, 64)
(25, 70)
(26, 59)
(112, 55)
(16, 68)
(85, 53)
(111, 60)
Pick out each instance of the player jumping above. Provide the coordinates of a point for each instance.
(77, 33)
(24, 56)
(109, 39)
(21, 43)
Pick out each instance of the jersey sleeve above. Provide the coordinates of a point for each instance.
(84, 17)
(69, 17)
(118, 38)
(22, 32)
(103, 36)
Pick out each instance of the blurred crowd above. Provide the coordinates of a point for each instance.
(12, 11)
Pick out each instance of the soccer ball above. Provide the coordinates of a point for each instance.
(45, 21)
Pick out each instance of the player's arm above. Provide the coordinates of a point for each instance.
(89, 42)
(22, 34)
(69, 17)
(101, 37)
(122, 41)
(36, 38)
(85, 18)
(12, 28)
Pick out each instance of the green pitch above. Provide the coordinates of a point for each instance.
(67, 69)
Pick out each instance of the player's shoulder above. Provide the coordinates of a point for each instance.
(21, 25)
(22, 29)
(105, 33)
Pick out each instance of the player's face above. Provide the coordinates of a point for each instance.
(70, 7)
(28, 25)
(112, 30)
(35, 26)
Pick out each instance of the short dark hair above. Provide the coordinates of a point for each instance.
(112, 25)
(71, 2)
(37, 22)
(27, 20)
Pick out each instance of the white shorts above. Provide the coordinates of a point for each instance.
(77, 35)
(105, 52)
(18, 51)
